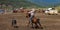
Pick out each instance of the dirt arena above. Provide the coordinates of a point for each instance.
(49, 22)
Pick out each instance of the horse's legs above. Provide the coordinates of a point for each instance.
(40, 25)
(36, 25)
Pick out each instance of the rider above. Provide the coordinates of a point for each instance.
(32, 14)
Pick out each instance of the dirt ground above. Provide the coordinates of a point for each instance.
(49, 22)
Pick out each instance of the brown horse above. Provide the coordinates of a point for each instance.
(36, 21)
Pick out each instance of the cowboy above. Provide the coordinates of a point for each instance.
(32, 14)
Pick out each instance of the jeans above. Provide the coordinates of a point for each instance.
(30, 21)
(31, 17)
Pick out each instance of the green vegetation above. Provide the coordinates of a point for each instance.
(18, 3)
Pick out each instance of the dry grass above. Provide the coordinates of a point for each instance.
(49, 22)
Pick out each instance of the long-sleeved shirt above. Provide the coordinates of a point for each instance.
(32, 13)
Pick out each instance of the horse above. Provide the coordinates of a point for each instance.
(36, 21)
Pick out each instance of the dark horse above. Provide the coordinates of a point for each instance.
(35, 21)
